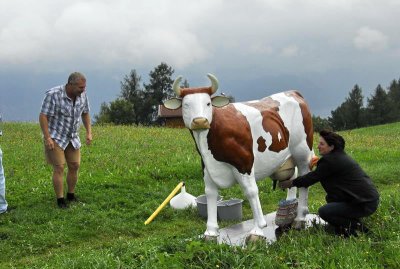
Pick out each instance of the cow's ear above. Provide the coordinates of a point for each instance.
(173, 103)
(219, 101)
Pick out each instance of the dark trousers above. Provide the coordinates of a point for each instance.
(346, 215)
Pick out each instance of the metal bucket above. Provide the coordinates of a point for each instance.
(202, 204)
(230, 209)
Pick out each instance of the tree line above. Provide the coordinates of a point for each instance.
(138, 103)
(383, 106)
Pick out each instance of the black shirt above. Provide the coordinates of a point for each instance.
(342, 179)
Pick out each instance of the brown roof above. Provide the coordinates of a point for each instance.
(169, 113)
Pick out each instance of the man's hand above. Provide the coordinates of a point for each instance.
(49, 143)
(285, 184)
(313, 162)
(89, 138)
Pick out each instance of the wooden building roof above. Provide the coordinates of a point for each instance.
(164, 112)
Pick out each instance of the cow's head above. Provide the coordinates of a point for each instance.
(196, 103)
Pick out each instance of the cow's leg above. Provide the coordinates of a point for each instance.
(302, 156)
(211, 191)
(250, 189)
(292, 192)
(302, 209)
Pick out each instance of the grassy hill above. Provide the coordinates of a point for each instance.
(128, 172)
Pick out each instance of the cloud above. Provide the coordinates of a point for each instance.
(370, 39)
(99, 33)
(23, 39)
(290, 51)
(254, 40)
(114, 34)
(259, 48)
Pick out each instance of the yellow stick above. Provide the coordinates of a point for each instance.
(177, 188)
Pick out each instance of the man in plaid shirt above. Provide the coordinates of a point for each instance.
(62, 109)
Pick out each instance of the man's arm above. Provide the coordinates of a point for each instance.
(44, 125)
(88, 127)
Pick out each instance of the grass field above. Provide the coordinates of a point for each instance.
(127, 172)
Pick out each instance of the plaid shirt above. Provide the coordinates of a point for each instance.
(63, 116)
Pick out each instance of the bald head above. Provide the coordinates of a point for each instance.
(76, 85)
(76, 77)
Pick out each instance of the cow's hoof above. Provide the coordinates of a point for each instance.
(209, 238)
(299, 224)
(253, 238)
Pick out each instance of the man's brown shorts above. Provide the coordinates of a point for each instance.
(58, 156)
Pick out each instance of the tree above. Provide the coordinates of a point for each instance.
(338, 118)
(127, 109)
(159, 89)
(121, 112)
(132, 92)
(351, 113)
(185, 84)
(379, 107)
(382, 107)
(136, 104)
(355, 106)
(130, 86)
(394, 97)
(320, 124)
(104, 114)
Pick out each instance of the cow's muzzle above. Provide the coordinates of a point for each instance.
(200, 123)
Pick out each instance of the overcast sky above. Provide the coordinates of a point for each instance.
(255, 47)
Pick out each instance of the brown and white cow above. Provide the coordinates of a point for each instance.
(245, 142)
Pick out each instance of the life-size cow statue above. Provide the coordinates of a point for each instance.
(244, 142)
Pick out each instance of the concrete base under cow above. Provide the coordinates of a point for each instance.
(235, 235)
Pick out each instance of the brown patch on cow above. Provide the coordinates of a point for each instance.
(272, 123)
(266, 103)
(230, 140)
(305, 112)
(261, 144)
(186, 91)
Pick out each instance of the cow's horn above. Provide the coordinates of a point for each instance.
(176, 86)
(214, 82)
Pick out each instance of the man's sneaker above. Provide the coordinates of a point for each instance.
(61, 203)
(71, 197)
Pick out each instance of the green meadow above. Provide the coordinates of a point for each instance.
(128, 172)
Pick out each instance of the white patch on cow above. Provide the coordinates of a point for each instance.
(279, 136)
(292, 117)
(196, 106)
(265, 163)
(220, 172)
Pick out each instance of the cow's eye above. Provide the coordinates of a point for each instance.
(208, 104)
